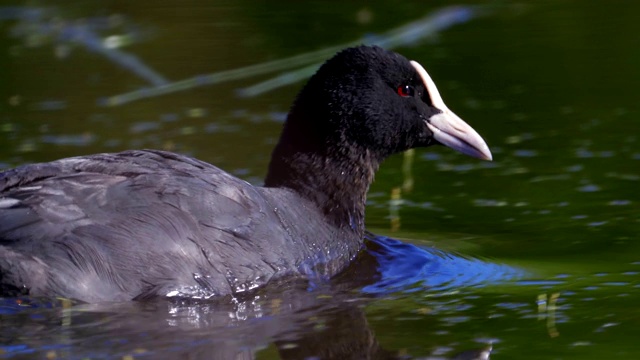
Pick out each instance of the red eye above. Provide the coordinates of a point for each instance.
(405, 90)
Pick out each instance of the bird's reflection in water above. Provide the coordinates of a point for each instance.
(297, 324)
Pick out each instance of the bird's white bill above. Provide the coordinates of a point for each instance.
(448, 129)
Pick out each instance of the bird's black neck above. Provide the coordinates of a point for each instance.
(331, 173)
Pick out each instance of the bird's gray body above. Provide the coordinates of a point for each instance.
(89, 228)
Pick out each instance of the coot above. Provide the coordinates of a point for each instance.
(145, 223)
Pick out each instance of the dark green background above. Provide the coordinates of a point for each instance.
(551, 85)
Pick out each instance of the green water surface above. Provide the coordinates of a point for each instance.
(552, 86)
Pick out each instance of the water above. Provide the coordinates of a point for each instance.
(534, 254)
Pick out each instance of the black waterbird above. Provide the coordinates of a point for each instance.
(146, 223)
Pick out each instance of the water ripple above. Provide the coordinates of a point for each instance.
(407, 267)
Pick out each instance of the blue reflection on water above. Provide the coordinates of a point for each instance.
(409, 268)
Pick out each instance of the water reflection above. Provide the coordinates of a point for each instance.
(407, 34)
(406, 267)
(291, 321)
(46, 26)
(39, 26)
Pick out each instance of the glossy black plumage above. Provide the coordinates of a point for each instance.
(150, 223)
